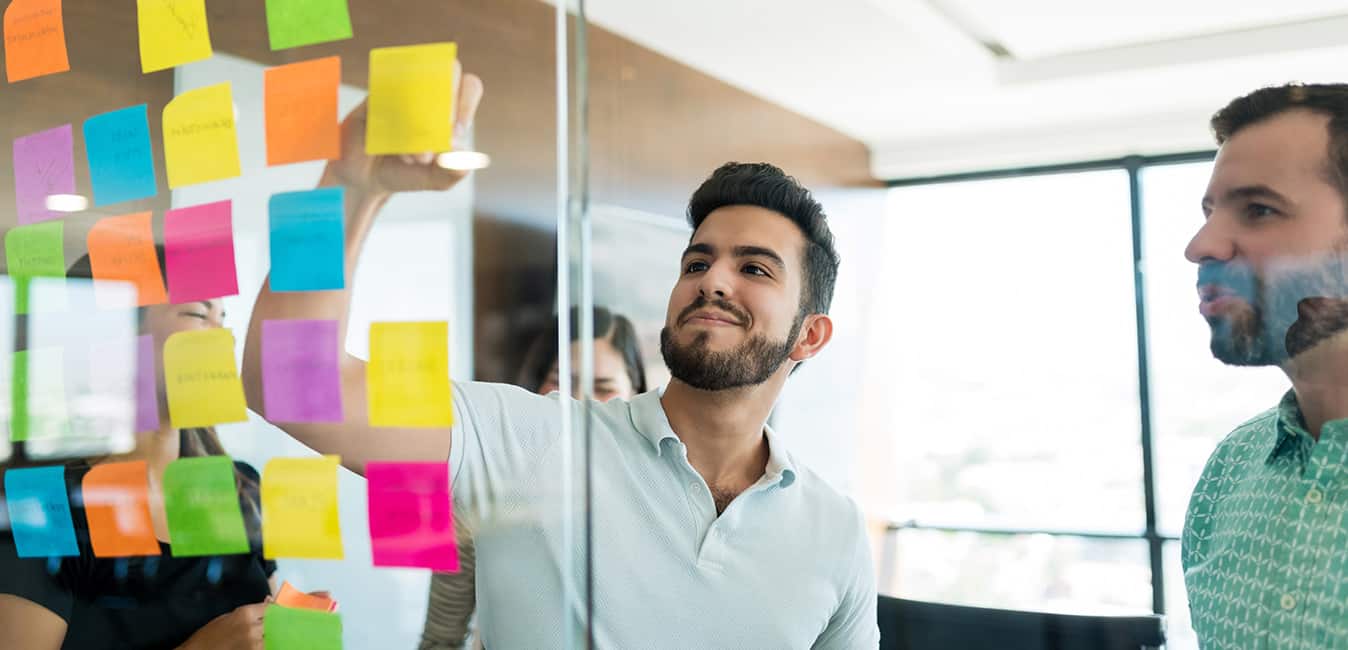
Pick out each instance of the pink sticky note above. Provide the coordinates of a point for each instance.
(199, 252)
(147, 394)
(44, 164)
(300, 380)
(411, 516)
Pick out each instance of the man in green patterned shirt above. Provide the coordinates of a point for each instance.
(1265, 548)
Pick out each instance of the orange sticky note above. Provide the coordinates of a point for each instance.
(122, 248)
(35, 39)
(301, 109)
(117, 504)
(289, 596)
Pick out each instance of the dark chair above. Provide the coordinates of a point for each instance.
(917, 625)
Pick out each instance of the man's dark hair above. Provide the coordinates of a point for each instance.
(1326, 99)
(766, 186)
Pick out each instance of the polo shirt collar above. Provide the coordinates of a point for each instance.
(648, 416)
(1290, 433)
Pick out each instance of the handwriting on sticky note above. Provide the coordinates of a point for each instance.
(35, 39)
(411, 516)
(299, 508)
(308, 240)
(407, 378)
(199, 252)
(288, 628)
(39, 512)
(411, 102)
(202, 380)
(44, 165)
(300, 378)
(117, 504)
(122, 249)
(121, 162)
(147, 382)
(172, 32)
(301, 111)
(200, 140)
(292, 23)
(201, 501)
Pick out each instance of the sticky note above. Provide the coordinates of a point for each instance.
(308, 240)
(35, 250)
(121, 162)
(289, 596)
(411, 99)
(201, 501)
(35, 39)
(411, 516)
(300, 102)
(117, 505)
(199, 252)
(122, 249)
(407, 378)
(44, 164)
(39, 395)
(299, 509)
(202, 379)
(147, 386)
(200, 140)
(288, 628)
(39, 512)
(292, 23)
(172, 32)
(300, 378)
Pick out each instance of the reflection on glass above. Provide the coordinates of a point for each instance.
(1010, 302)
(1179, 633)
(1196, 400)
(1027, 572)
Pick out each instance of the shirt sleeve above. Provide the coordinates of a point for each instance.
(853, 624)
(30, 579)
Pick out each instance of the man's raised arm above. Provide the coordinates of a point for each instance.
(368, 181)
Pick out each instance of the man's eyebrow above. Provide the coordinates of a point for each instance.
(759, 251)
(1258, 191)
(704, 249)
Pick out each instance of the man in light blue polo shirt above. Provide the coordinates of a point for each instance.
(707, 533)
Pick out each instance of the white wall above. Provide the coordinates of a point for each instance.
(417, 266)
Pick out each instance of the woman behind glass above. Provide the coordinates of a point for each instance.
(618, 374)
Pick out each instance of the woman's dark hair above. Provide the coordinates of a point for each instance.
(608, 326)
(202, 441)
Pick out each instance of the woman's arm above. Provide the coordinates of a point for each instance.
(26, 624)
(453, 597)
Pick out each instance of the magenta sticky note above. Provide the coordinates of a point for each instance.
(300, 379)
(199, 252)
(44, 164)
(147, 393)
(412, 516)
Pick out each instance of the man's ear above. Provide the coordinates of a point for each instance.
(815, 333)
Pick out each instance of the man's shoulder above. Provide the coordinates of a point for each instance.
(823, 501)
(1251, 435)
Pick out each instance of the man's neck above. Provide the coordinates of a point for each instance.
(723, 430)
(1320, 378)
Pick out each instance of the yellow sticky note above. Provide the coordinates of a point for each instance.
(172, 32)
(299, 509)
(411, 99)
(407, 379)
(200, 141)
(202, 380)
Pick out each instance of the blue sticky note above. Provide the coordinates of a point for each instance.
(307, 235)
(39, 512)
(121, 163)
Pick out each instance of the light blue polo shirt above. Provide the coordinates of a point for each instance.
(787, 565)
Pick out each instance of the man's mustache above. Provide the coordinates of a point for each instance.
(702, 303)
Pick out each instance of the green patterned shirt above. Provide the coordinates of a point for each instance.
(1265, 548)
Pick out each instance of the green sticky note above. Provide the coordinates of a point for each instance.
(287, 628)
(202, 504)
(39, 395)
(34, 250)
(292, 23)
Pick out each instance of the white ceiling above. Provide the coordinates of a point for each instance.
(916, 81)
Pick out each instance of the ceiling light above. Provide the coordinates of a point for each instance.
(463, 160)
(67, 203)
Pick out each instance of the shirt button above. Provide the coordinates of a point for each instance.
(1288, 602)
(1314, 495)
(692, 488)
